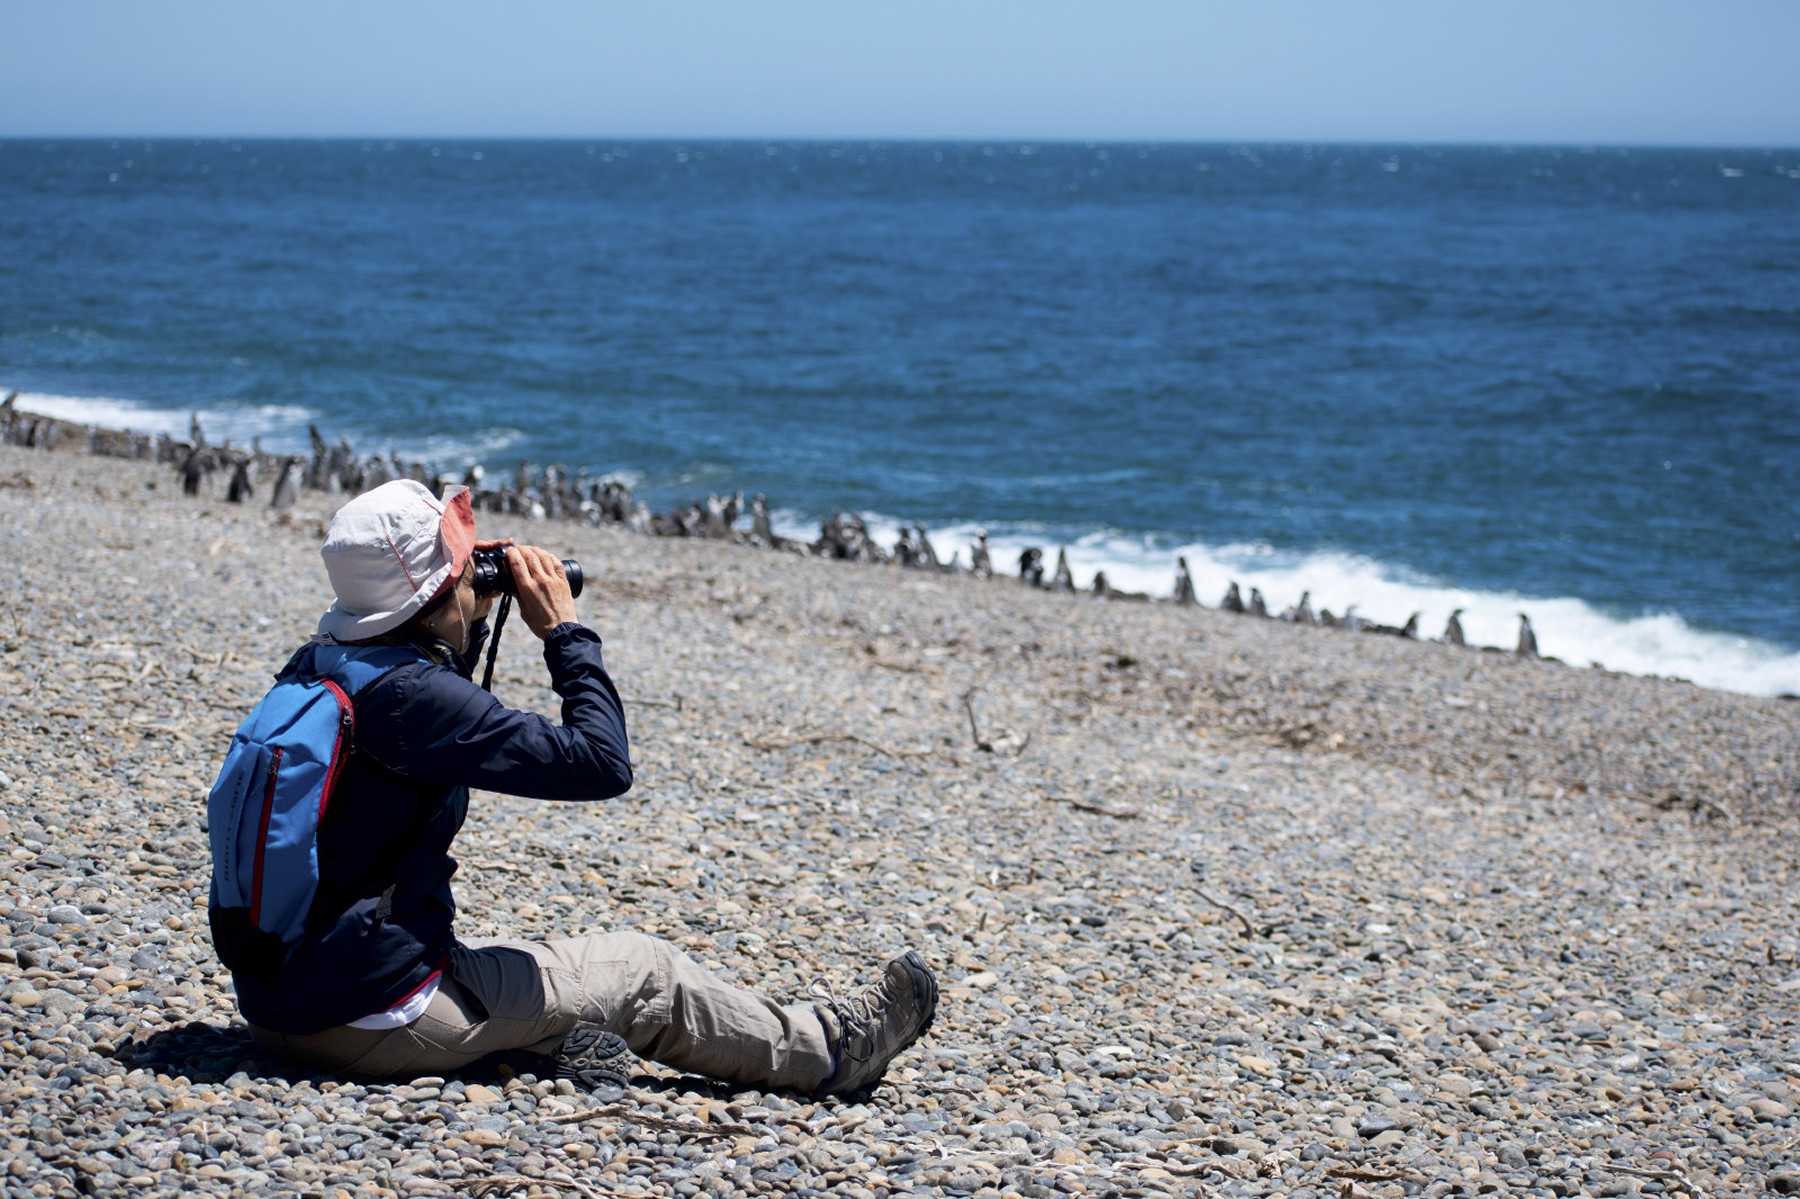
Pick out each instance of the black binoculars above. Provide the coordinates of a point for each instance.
(494, 577)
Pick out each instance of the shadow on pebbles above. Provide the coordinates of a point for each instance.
(1224, 906)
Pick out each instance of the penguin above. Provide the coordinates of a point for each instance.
(1527, 647)
(1184, 584)
(1063, 579)
(1258, 607)
(1453, 634)
(376, 474)
(714, 520)
(980, 564)
(193, 473)
(1031, 566)
(927, 552)
(1351, 620)
(1233, 601)
(1301, 613)
(1327, 619)
(761, 530)
(1100, 588)
(196, 434)
(241, 488)
(1411, 628)
(287, 486)
(904, 553)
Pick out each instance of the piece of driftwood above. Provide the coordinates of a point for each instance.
(1249, 928)
(507, 1184)
(982, 743)
(631, 1115)
(821, 738)
(1082, 805)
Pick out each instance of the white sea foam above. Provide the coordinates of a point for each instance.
(281, 426)
(1568, 628)
(445, 451)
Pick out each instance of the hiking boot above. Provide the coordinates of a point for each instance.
(868, 1030)
(594, 1059)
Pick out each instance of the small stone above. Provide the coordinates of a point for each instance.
(66, 913)
(1768, 1109)
(1256, 1065)
(483, 1136)
(479, 1095)
(1374, 1124)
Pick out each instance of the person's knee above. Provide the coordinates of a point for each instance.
(633, 976)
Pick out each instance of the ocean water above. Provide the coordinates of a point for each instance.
(1553, 380)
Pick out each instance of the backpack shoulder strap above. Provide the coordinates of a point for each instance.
(354, 667)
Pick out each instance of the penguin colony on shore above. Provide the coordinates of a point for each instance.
(553, 493)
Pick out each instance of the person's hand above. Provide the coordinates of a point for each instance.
(542, 588)
(485, 603)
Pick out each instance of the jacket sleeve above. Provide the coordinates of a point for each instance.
(432, 724)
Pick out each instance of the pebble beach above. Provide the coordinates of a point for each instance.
(1219, 905)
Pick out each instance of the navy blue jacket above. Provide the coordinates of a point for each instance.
(380, 925)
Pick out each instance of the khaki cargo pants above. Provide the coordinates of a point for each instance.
(523, 995)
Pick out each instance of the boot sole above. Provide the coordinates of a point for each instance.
(594, 1058)
(925, 992)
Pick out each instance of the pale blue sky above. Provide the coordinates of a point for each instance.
(1700, 71)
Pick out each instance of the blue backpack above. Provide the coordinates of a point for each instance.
(274, 789)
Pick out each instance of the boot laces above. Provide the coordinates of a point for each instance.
(856, 1013)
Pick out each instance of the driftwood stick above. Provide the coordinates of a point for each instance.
(657, 703)
(1679, 1179)
(968, 702)
(631, 1115)
(982, 743)
(1249, 928)
(819, 738)
(507, 1184)
(1359, 1175)
(1082, 805)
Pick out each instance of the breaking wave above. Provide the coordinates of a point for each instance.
(281, 428)
(1575, 630)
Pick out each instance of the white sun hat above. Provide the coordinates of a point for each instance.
(390, 552)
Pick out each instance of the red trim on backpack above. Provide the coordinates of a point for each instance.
(429, 979)
(262, 840)
(346, 724)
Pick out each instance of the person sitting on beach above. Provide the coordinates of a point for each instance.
(378, 985)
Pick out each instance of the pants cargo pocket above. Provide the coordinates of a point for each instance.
(626, 992)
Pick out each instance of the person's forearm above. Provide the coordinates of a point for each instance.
(592, 713)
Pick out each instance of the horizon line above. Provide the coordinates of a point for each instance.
(914, 139)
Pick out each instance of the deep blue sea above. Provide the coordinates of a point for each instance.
(1563, 381)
